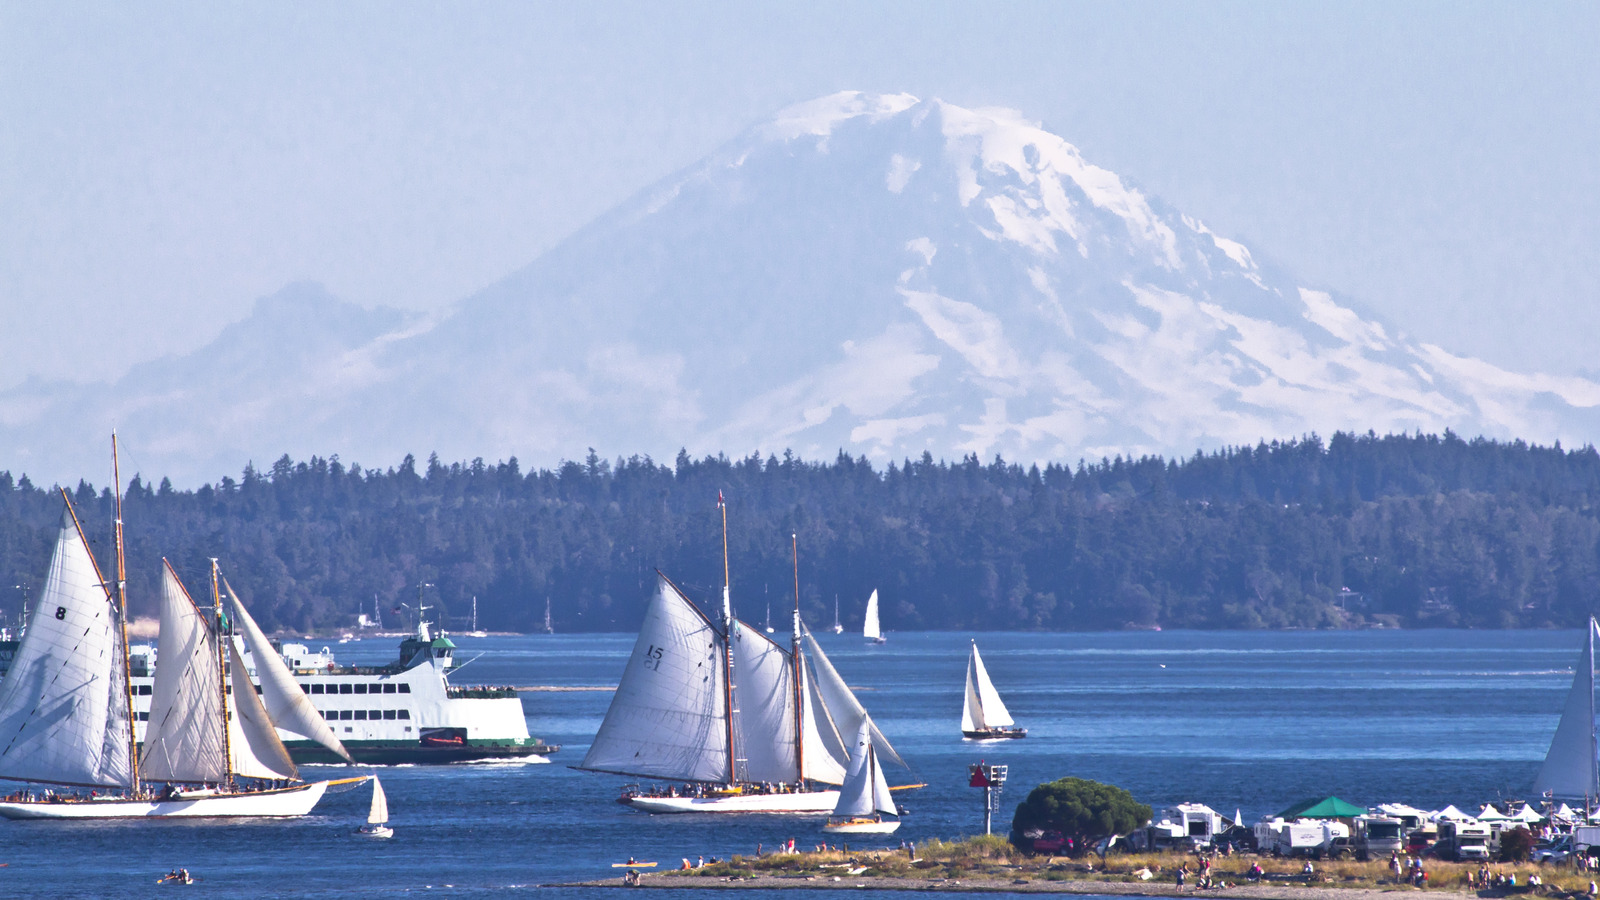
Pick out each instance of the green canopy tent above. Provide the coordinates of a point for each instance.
(1326, 808)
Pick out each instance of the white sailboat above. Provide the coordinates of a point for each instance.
(749, 725)
(378, 816)
(66, 711)
(475, 632)
(1569, 769)
(984, 716)
(870, 627)
(838, 627)
(864, 798)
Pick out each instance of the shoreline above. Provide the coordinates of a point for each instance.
(1020, 884)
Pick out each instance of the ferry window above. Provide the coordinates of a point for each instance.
(375, 715)
(304, 688)
(328, 714)
(408, 727)
(316, 688)
(374, 688)
(405, 688)
(361, 689)
(346, 689)
(388, 688)
(144, 717)
(144, 690)
(405, 714)
(258, 690)
(345, 715)
(361, 715)
(347, 729)
(227, 689)
(388, 714)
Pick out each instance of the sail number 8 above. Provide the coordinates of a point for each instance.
(652, 657)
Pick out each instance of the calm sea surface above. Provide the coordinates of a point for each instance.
(1254, 721)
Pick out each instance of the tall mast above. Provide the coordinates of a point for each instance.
(794, 659)
(222, 670)
(727, 643)
(1593, 787)
(122, 609)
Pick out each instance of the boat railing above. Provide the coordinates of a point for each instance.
(480, 692)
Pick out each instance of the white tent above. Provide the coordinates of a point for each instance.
(1565, 814)
(1450, 812)
(1402, 811)
(1526, 814)
(1490, 814)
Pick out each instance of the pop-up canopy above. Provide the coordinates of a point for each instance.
(1326, 808)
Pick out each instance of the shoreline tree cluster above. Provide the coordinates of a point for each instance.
(1358, 530)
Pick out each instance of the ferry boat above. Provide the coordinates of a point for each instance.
(404, 712)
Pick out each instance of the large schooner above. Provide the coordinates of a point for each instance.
(1570, 767)
(742, 723)
(66, 709)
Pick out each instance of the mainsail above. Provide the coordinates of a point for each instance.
(184, 740)
(864, 792)
(668, 717)
(285, 703)
(983, 708)
(379, 813)
(870, 628)
(63, 705)
(764, 698)
(1569, 768)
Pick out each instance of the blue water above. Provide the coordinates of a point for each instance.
(1254, 721)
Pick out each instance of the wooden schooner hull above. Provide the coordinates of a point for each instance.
(275, 804)
(820, 802)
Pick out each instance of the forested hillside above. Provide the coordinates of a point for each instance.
(1408, 530)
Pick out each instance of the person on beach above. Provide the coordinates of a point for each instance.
(1183, 872)
(1255, 872)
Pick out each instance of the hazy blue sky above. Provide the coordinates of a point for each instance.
(162, 165)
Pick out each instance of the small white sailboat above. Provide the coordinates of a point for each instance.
(864, 798)
(984, 717)
(549, 627)
(378, 816)
(838, 627)
(1569, 769)
(768, 626)
(871, 629)
(475, 632)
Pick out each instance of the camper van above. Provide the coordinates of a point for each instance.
(1463, 840)
(1310, 837)
(1188, 826)
(1377, 836)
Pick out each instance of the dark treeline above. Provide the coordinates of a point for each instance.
(1411, 530)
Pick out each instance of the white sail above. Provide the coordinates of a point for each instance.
(668, 715)
(183, 740)
(379, 813)
(63, 705)
(984, 709)
(843, 708)
(254, 744)
(864, 791)
(825, 756)
(870, 628)
(764, 699)
(285, 703)
(1569, 768)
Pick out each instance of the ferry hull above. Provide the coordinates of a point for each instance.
(395, 753)
(278, 804)
(818, 802)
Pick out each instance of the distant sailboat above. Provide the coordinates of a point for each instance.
(838, 627)
(768, 627)
(864, 798)
(1569, 769)
(870, 627)
(378, 816)
(984, 717)
(548, 627)
(475, 632)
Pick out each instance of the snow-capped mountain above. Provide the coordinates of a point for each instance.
(876, 273)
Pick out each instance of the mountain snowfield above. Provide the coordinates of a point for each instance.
(874, 273)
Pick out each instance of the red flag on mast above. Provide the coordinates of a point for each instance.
(719, 498)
